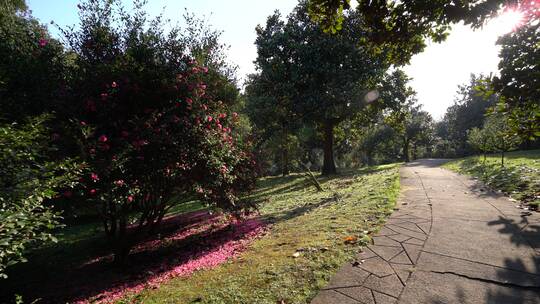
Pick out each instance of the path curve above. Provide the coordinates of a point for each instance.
(450, 240)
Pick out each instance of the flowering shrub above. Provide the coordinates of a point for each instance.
(152, 128)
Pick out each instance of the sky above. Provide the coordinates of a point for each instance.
(436, 72)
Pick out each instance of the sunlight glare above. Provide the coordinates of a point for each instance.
(507, 21)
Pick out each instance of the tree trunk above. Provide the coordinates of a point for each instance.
(121, 241)
(406, 151)
(502, 158)
(414, 151)
(368, 158)
(284, 153)
(329, 166)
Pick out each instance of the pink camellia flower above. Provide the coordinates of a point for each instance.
(83, 123)
(119, 182)
(219, 126)
(104, 96)
(189, 101)
(209, 118)
(222, 115)
(94, 176)
(92, 191)
(43, 42)
(130, 198)
(113, 84)
(205, 69)
(205, 107)
(235, 115)
(224, 169)
(103, 138)
(92, 151)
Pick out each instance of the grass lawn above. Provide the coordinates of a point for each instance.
(307, 224)
(304, 244)
(519, 178)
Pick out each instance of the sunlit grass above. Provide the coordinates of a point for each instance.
(519, 178)
(302, 220)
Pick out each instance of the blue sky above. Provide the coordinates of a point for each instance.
(436, 72)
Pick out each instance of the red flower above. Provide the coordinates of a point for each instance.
(103, 138)
(43, 42)
(92, 191)
(209, 118)
(119, 182)
(235, 115)
(83, 123)
(94, 177)
(189, 101)
(114, 85)
(224, 169)
(130, 198)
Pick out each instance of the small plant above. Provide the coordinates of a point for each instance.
(28, 178)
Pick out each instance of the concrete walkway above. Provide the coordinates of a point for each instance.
(450, 241)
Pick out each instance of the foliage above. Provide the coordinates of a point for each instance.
(519, 70)
(156, 122)
(467, 112)
(413, 125)
(403, 26)
(31, 66)
(480, 139)
(328, 13)
(28, 177)
(503, 138)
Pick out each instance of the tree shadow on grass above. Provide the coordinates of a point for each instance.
(203, 240)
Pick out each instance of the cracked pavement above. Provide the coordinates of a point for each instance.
(450, 240)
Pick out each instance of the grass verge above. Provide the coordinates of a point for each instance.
(519, 178)
(304, 247)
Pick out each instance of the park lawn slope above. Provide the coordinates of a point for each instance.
(519, 178)
(304, 246)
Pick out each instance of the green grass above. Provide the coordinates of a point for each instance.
(519, 178)
(302, 220)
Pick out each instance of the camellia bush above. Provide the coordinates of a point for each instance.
(157, 128)
(28, 178)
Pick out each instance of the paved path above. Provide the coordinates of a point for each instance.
(450, 241)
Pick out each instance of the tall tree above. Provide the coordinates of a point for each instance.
(337, 75)
(519, 81)
(271, 91)
(467, 112)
